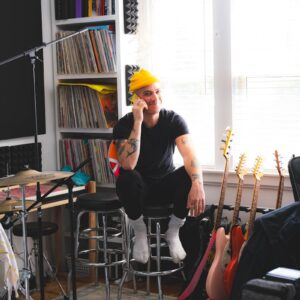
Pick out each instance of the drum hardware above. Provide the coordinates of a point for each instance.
(31, 176)
(23, 178)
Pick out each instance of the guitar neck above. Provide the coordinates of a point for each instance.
(222, 196)
(237, 202)
(253, 208)
(280, 192)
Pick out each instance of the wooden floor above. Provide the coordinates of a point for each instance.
(171, 286)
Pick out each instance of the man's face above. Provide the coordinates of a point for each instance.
(151, 95)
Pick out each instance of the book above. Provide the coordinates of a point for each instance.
(78, 8)
(59, 9)
(109, 105)
(71, 8)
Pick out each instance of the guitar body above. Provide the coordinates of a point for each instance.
(214, 281)
(237, 240)
(226, 258)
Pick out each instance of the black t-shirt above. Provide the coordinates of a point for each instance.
(157, 143)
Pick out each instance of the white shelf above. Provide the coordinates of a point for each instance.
(85, 130)
(87, 76)
(86, 20)
(117, 78)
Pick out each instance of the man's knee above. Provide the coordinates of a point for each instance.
(129, 176)
(129, 180)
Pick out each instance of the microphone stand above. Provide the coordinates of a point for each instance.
(32, 54)
(39, 200)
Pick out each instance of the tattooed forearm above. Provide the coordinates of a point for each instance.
(195, 176)
(195, 163)
(133, 143)
(120, 145)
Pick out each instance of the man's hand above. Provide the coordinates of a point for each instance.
(137, 110)
(196, 199)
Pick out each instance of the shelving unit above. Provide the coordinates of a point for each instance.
(111, 78)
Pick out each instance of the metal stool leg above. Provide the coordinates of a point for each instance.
(160, 294)
(121, 284)
(130, 250)
(97, 249)
(77, 233)
(76, 242)
(107, 287)
(149, 260)
(126, 246)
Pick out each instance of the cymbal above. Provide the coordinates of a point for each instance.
(12, 206)
(31, 176)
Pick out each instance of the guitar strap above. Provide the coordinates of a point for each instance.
(196, 277)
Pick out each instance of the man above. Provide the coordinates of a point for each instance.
(145, 141)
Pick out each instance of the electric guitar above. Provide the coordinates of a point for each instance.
(236, 235)
(257, 174)
(214, 280)
(281, 180)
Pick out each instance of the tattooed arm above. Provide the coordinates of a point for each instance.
(128, 151)
(196, 197)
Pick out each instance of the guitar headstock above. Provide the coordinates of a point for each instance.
(278, 163)
(257, 168)
(226, 142)
(240, 169)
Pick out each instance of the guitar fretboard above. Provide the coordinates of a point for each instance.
(222, 196)
(253, 208)
(280, 192)
(237, 202)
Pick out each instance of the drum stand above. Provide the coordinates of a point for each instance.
(26, 272)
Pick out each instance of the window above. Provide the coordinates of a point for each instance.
(236, 63)
(266, 77)
(177, 47)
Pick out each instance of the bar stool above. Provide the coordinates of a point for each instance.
(154, 217)
(48, 228)
(104, 204)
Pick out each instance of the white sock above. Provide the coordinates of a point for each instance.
(172, 236)
(140, 247)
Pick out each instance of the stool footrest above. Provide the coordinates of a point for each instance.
(104, 265)
(152, 273)
(108, 251)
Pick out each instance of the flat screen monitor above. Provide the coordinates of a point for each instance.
(20, 30)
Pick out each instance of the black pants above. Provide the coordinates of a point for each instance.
(134, 192)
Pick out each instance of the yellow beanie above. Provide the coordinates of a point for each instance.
(141, 79)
